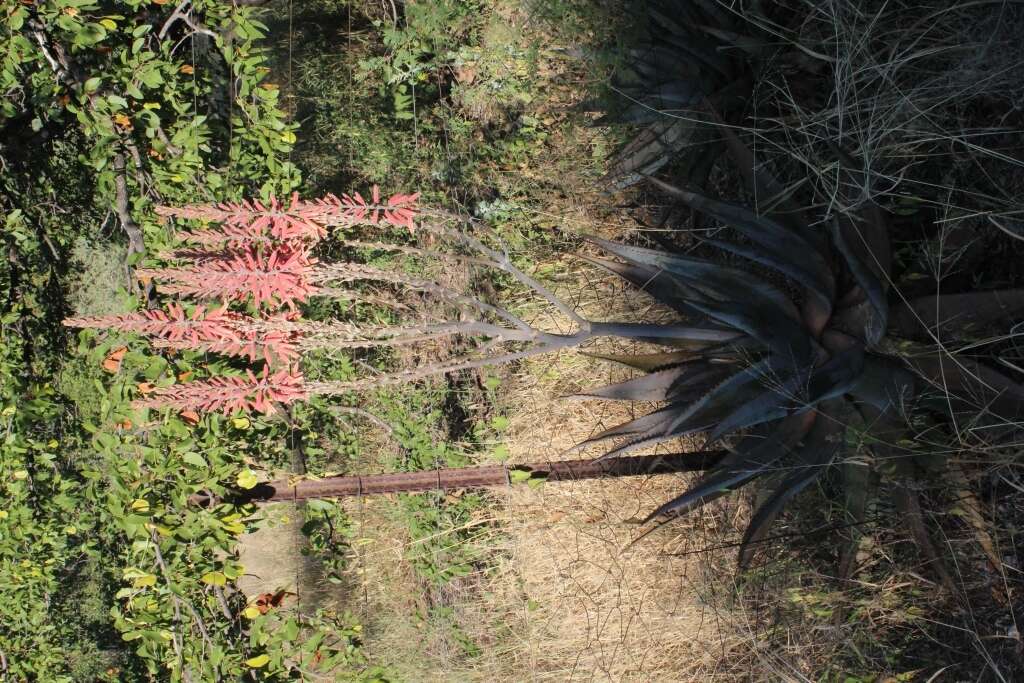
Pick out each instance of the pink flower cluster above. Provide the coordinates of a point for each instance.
(228, 394)
(258, 250)
(207, 329)
(275, 277)
(254, 221)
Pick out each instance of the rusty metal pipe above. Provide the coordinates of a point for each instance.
(468, 477)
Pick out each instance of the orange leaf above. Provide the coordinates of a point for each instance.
(184, 376)
(112, 363)
(190, 417)
(123, 121)
(187, 69)
(125, 424)
(265, 601)
(146, 388)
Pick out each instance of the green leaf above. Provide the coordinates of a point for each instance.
(90, 34)
(92, 84)
(519, 476)
(320, 505)
(194, 459)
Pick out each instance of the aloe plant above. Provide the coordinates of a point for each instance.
(668, 75)
(803, 370)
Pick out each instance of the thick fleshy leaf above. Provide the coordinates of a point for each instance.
(649, 424)
(722, 400)
(790, 344)
(648, 362)
(869, 235)
(654, 281)
(955, 315)
(711, 279)
(871, 324)
(988, 393)
(662, 385)
(652, 63)
(691, 416)
(856, 492)
(811, 459)
(752, 46)
(794, 393)
(908, 504)
(883, 383)
(686, 39)
(691, 336)
(648, 152)
(790, 267)
(751, 458)
(779, 247)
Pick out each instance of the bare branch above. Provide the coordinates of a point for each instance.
(136, 244)
(181, 13)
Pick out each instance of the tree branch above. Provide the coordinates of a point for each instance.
(136, 244)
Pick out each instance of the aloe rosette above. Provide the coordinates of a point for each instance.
(800, 371)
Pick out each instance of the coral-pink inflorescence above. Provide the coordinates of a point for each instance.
(273, 277)
(300, 220)
(253, 392)
(216, 330)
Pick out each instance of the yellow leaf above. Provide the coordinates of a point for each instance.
(257, 662)
(151, 105)
(109, 24)
(140, 505)
(234, 528)
(214, 578)
(251, 612)
(246, 479)
(145, 580)
(240, 422)
(288, 137)
(21, 474)
(3, 514)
